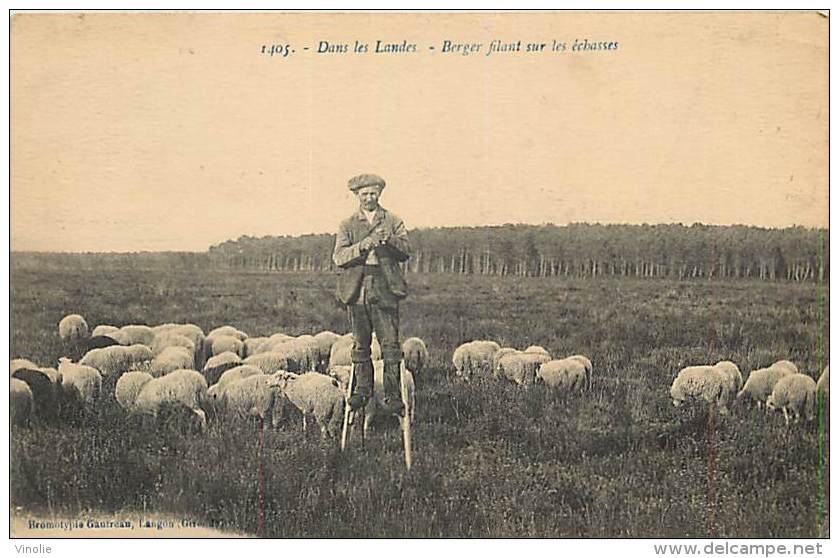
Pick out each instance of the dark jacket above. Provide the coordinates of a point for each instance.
(389, 286)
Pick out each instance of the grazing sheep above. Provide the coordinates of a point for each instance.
(584, 360)
(325, 340)
(238, 373)
(823, 385)
(796, 394)
(250, 397)
(341, 372)
(701, 382)
(80, 385)
(313, 394)
(134, 335)
(21, 402)
(520, 368)
(415, 354)
(218, 344)
(229, 331)
(118, 359)
(103, 330)
(171, 338)
(301, 354)
(341, 352)
(170, 359)
(255, 345)
(407, 389)
(473, 358)
(538, 350)
(186, 388)
(785, 365)
(128, 387)
(565, 375)
(73, 329)
(733, 376)
(219, 364)
(45, 392)
(21, 364)
(269, 362)
(760, 384)
(279, 337)
(191, 332)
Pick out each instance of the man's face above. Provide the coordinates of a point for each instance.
(368, 197)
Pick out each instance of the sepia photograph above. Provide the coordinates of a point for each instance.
(420, 275)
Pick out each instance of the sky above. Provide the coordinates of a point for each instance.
(175, 131)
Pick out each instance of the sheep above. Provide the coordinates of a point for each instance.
(269, 362)
(80, 385)
(191, 332)
(170, 359)
(341, 352)
(103, 330)
(301, 354)
(341, 372)
(565, 375)
(701, 382)
(733, 375)
(407, 389)
(229, 331)
(218, 344)
(760, 384)
(219, 364)
(786, 365)
(325, 340)
(415, 354)
(73, 329)
(171, 338)
(538, 350)
(520, 368)
(186, 388)
(45, 391)
(496, 359)
(584, 360)
(278, 337)
(21, 364)
(794, 393)
(313, 394)
(255, 345)
(21, 402)
(473, 358)
(238, 373)
(118, 359)
(823, 385)
(133, 335)
(251, 396)
(128, 387)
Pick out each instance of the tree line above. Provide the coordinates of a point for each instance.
(576, 250)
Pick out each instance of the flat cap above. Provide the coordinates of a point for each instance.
(356, 183)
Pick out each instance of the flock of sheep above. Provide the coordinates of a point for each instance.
(227, 374)
(221, 375)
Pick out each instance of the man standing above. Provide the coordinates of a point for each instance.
(369, 247)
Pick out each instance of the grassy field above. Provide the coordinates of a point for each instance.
(491, 460)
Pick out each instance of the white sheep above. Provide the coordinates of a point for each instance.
(220, 343)
(255, 345)
(133, 335)
(21, 402)
(269, 362)
(701, 382)
(785, 365)
(251, 396)
(279, 337)
(186, 388)
(171, 338)
(794, 394)
(128, 387)
(21, 364)
(586, 362)
(538, 350)
(230, 331)
(103, 329)
(325, 340)
(301, 354)
(496, 359)
(191, 332)
(473, 358)
(823, 385)
(341, 352)
(341, 372)
(73, 329)
(115, 360)
(313, 394)
(80, 385)
(564, 375)
(238, 373)
(520, 368)
(170, 359)
(733, 376)
(219, 364)
(415, 355)
(760, 383)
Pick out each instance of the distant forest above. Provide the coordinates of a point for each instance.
(576, 250)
